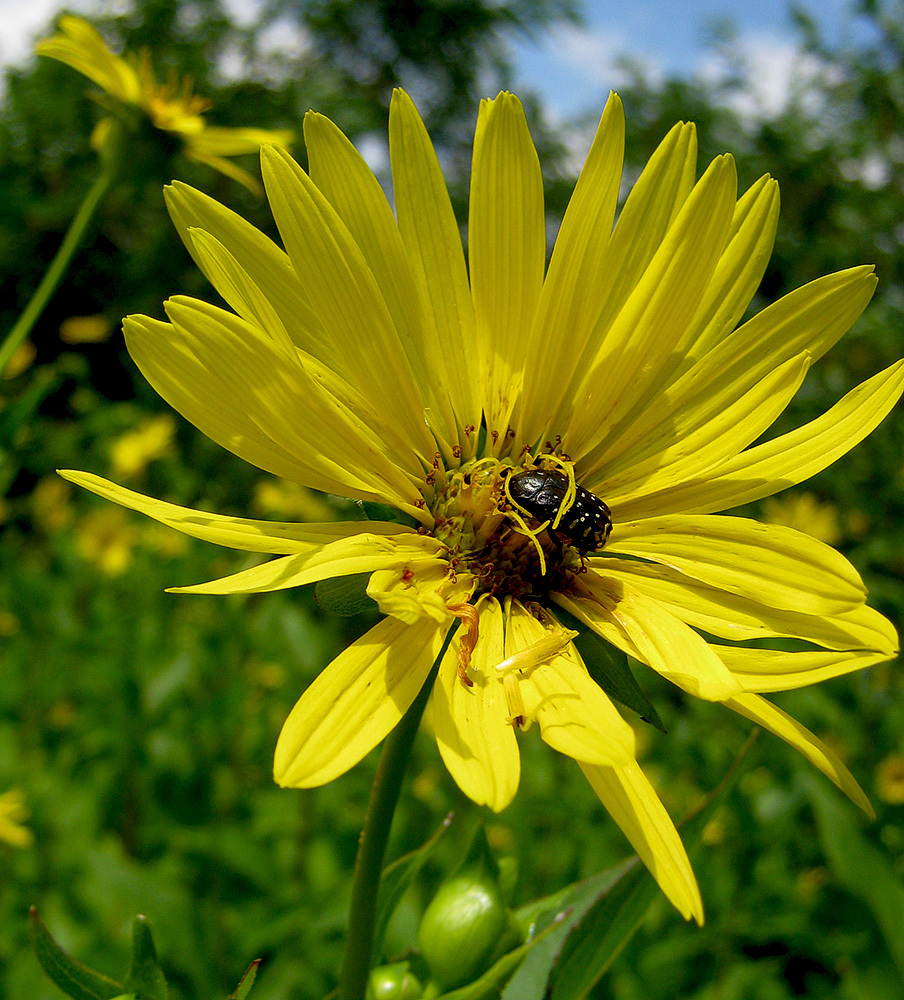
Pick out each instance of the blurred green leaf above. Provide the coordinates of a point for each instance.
(492, 982)
(73, 978)
(145, 978)
(395, 881)
(247, 981)
(859, 866)
(345, 595)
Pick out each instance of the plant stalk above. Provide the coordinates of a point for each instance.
(374, 836)
(71, 241)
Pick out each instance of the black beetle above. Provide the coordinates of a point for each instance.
(585, 525)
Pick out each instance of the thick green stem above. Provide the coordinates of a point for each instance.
(58, 266)
(372, 845)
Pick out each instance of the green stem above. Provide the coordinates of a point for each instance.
(369, 863)
(58, 266)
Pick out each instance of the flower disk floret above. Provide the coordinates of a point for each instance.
(368, 359)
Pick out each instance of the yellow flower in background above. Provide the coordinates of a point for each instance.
(133, 451)
(282, 498)
(107, 540)
(890, 779)
(497, 403)
(804, 512)
(171, 106)
(85, 329)
(13, 813)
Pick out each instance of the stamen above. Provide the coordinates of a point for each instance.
(537, 652)
(525, 660)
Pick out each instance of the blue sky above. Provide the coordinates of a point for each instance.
(573, 69)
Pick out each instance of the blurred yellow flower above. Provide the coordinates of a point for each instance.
(106, 540)
(133, 451)
(804, 512)
(13, 813)
(21, 359)
(85, 329)
(890, 779)
(50, 509)
(283, 498)
(171, 107)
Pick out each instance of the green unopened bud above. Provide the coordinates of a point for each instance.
(393, 982)
(461, 929)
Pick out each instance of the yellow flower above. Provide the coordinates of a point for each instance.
(85, 329)
(805, 513)
(133, 451)
(171, 107)
(13, 813)
(890, 779)
(368, 360)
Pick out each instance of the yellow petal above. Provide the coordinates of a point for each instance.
(738, 273)
(355, 702)
(223, 166)
(642, 337)
(735, 617)
(239, 289)
(770, 563)
(770, 717)
(277, 537)
(695, 436)
(649, 210)
(259, 257)
(646, 630)
(782, 462)
(410, 596)
(81, 46)
(244, 393)
(569, 300)
(360, 553)
(344, 295)
(431, 236)
(506, 248)
(575, 715)
(632, 802)
(341, 173)
(763, 670)
(477, 745)
(219, 142)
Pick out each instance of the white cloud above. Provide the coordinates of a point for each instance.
(774, 69)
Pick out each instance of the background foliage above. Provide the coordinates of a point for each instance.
(140, 725)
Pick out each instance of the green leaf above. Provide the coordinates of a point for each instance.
(383, 512)
(490, 985)
(608, 925)
(345, 595)
(555, 917)
(860, 867)
(73, 978)
(394, 883)
(145, 978)
(247, 981)
(608, 666)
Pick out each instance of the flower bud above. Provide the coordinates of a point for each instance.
(393, 982)
(461, 929)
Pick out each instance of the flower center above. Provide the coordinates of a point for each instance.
(518, 530)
